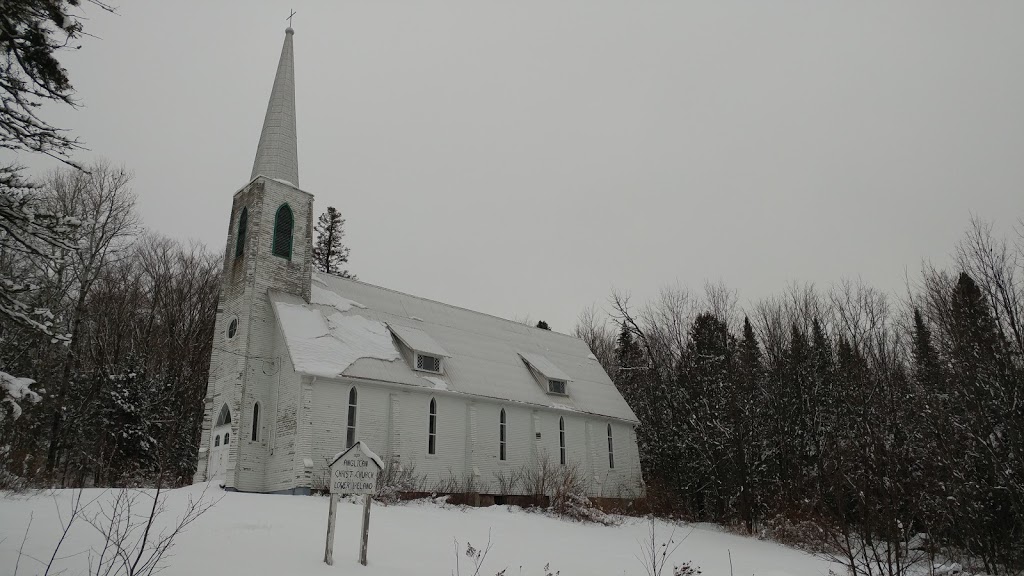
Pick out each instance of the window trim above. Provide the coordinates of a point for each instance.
(351, 418)
(255, 437)
(432, 429)
(502, 436)
(240, 233)
(291, 231)
(561, 441)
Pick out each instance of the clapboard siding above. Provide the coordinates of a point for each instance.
(394, 422)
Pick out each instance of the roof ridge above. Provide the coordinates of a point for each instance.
(392, 290)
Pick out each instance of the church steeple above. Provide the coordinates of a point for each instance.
(277, 155)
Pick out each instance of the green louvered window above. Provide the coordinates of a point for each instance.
(243, 227)
(283, 224)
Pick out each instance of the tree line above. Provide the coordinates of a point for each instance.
(882, 430)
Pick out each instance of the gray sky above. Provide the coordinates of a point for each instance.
(527, 157)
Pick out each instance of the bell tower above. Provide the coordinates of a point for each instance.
(269, 248)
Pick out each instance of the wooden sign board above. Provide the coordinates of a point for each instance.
(355, 471)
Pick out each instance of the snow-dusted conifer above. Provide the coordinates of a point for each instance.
(329, 253)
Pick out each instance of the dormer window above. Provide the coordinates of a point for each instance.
(428, 363)
(556, 386)
(549, 377)
(421, 350)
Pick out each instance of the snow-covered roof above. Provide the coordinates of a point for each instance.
(418, 340)
(343, 333)
(544, 366)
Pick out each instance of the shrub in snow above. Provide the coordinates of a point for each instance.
(14, 390)
(396, 479)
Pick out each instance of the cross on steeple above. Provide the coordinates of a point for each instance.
(293, 13)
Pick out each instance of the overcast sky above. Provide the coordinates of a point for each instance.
(527, 157)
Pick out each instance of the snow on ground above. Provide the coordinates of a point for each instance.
(264, 535)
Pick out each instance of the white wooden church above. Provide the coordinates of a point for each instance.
(304, 364)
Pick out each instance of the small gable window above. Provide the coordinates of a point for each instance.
(432, 428)
(561, 440)
(256, 422)
(224, 417)
(428, 363)
(243, 226)
(611, 449)
(350, 429)
(216, 440)
(227, 436)
(283, 224)
(556, 386)
(501, 436)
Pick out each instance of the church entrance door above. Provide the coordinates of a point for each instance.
(221, 439)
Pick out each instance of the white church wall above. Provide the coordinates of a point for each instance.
(282, 455)
(393, 420)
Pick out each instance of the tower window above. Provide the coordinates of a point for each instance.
(283, 224)
(243, 226)
(561, 440)
(256, 422)
(501, 436)
(350, 430)
(432, 428)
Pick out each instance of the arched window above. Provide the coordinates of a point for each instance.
(561, 440)
(227, 436)
(350, 433)
(243, 227)
(432, 429)
(256, 422)
(232, 328)
(224, 417)
(283, 223)
(611, 449)
(501, 436)
(216, 440)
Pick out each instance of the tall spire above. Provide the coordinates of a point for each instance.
(277, 155)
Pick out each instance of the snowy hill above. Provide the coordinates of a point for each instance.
(257, 535)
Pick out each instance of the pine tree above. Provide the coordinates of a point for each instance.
(747, 414)
(543, 325)
(329, 253)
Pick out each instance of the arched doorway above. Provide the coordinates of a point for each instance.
(220, 440)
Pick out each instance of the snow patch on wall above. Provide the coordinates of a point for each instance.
(327, 345)
(558, 406)
(318, 295)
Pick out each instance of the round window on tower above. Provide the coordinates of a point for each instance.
(232, 327)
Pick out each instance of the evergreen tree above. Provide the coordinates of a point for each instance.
(329, 253)
(748, 416)
(543, 325)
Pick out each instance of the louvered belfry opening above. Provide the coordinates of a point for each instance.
(283, 224)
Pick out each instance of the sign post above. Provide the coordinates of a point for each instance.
(353, 471)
